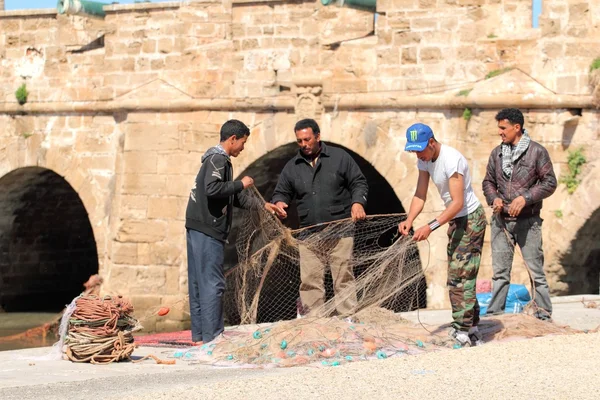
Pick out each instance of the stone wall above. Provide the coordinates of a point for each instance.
(124, 107)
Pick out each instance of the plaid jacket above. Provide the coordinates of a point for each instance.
(532, 177)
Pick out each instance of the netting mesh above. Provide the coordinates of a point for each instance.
(388, 277)
(387, 269)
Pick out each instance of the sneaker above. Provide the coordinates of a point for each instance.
(461, 337)
(543, 315)
(475, 336)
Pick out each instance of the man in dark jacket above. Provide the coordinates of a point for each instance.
(327, 185)
(208, 221)
(519, 176)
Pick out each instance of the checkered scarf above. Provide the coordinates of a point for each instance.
(510, 154)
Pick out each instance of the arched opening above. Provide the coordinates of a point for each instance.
(47, 246)
(266, 171)
(581, 264)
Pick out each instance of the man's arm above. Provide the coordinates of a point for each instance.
(359, 189)
(546, 184)
(490, 186)
(215, 185)
(284, 190)
(456, 186)
(246, 201)
(357, 183)
(417, 203)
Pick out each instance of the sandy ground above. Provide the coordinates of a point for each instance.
(550, 367)
(560, 367)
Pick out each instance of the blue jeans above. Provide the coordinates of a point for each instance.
(206, 284)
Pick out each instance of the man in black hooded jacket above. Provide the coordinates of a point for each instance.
(208, 222)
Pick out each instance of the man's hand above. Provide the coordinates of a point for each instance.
(358, 212)
(497, 205)
(280, 211)
(516, 206)
(422, 233)
(404, 227)
(274, 209)
(247, 182)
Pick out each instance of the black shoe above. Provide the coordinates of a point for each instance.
(543, 315)
(493, 314)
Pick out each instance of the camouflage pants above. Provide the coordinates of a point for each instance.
(465, 236)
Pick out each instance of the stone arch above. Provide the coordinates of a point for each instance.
(47, 246)
(575, 268)
(265, 170)
(581, 264)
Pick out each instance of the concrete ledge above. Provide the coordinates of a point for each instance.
(50, 12)
(391, 101)
(234, 2)
(134, 105)
(145, 6)
(365, 101)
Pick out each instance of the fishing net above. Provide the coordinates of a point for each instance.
(386, 277)
(385, 268)
(279, 330)
(330, 342)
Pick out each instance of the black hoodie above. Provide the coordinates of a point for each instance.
(213, 196)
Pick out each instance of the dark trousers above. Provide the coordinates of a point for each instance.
(206, 283)
(526, 232)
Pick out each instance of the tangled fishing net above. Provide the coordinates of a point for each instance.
(266, 280)
(388, 278)
(279, 331)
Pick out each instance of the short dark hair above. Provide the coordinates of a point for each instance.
(513, 115)
(307, 123)
(234, 127)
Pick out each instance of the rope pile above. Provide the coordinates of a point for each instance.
(100, 330)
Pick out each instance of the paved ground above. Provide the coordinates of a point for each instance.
(536, 368)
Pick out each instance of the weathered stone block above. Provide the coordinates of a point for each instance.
(165, 45)
(388, 56)
(421, 24)
(148, 137)
(124, 253)
(406, 38)
(550, 26)
(133, 206)
(166, 207)
(249, 44)
(180, 185)
(144, 184)
(409, 55)
(167, 253)
(553, 49)
(430, 54)
(179, 163)
(567, 84)
(142, 231)
(140, 162)
(149, 46)
(579, 13)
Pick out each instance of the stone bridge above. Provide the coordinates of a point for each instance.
(96, 166)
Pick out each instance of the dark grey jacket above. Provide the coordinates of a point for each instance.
(213, 196)
(324, 193)
(532, 177)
